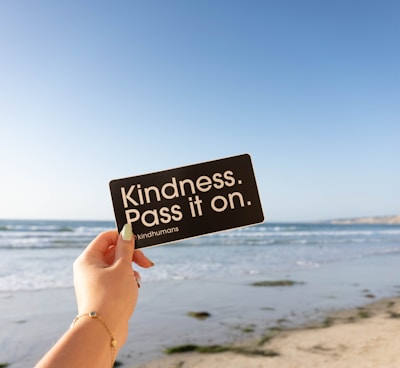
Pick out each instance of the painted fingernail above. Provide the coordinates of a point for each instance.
(138, 281)
(126, 232)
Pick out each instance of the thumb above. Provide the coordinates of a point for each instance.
(125, 245)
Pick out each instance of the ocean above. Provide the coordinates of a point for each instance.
(36, 255)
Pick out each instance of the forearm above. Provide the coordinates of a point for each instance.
(86, 344)
(104, 282)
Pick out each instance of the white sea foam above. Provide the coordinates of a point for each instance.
(38, 255)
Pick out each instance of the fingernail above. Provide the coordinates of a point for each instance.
(151, 264)
(138, 281)
(126, 232)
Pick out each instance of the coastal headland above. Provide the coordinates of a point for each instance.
(383, 220)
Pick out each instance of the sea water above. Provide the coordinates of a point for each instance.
(37, 255)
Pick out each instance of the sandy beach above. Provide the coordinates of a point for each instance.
(366, 337)
(246, 321)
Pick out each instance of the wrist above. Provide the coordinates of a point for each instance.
(113, 318)
(94, 324)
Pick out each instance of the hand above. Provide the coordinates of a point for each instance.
(105, 281)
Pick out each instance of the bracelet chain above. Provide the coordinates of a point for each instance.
(113, 341)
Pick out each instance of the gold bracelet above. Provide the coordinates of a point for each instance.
(113, 341)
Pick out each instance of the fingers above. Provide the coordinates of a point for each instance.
(137, 278)
(141, 260)
(102, 242)
(113, 246)
(110, 255)
(125, 244)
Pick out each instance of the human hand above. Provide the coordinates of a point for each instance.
(105, 281)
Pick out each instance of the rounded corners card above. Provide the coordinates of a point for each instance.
(188, 201)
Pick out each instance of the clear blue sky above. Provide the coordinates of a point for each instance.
(96, 90)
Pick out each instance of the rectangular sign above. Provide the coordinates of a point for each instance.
(188, 201)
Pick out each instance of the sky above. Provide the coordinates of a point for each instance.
(92, 91)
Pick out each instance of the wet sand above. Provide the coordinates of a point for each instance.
(32, 321)
(366, 337)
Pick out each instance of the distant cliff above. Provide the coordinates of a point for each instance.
(388, 220)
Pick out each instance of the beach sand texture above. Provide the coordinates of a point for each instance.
(365, 337)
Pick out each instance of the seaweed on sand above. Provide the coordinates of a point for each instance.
(276, 283)
(211, 349)
(199, 315)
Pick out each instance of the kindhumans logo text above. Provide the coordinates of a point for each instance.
(151, 234)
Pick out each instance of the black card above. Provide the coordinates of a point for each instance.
(188, 201)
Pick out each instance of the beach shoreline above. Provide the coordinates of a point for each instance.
(32, 321)
(366, 336)
(333, 338)
(246, 282)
